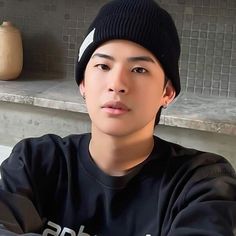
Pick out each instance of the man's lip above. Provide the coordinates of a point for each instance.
(115, 105)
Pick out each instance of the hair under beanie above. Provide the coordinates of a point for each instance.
(141, 21)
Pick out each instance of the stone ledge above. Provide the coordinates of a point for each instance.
(214, 114)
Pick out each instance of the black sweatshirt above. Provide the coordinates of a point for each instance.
(51, 186)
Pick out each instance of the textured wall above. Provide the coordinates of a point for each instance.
(53, 29)
(27, 121)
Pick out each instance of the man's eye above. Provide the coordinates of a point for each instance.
(139, 70)
(103, 67)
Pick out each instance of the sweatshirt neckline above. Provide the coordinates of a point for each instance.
(112, 182)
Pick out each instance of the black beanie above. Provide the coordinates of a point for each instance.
(141, 21)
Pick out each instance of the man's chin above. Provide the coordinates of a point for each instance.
(114, 130)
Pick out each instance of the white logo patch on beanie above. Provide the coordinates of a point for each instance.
(87, 41)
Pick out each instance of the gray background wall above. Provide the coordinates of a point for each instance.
(18, 121)
(52, 31)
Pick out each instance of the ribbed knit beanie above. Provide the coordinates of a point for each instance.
(141, 21)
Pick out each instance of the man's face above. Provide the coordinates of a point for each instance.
(124, 88)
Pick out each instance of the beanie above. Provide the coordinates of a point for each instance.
(141, 21)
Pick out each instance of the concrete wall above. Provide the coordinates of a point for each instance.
(21, 121)
(4, 152)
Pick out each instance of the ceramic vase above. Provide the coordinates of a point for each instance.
(11, 51)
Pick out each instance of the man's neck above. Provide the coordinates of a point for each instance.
(117, 155)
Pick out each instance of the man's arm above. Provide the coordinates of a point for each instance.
(209, 205)
(17, 215)
(21, 191)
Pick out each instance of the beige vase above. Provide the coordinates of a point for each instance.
(11, 52)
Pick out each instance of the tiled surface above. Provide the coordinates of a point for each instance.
(192, 111)
(52, 31)
(208, 38)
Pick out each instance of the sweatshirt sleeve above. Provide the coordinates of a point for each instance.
(208, 207)
(17, 215)
(25, 186)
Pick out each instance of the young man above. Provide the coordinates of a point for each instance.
(120, 179)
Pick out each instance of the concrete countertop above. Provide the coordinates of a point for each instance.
(214, 114)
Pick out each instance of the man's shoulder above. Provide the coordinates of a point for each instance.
(48, 147)
(185, 160)
(52, 140)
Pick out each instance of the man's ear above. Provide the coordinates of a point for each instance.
(168, 94)
(82, 88)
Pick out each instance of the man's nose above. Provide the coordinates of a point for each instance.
(118, 82)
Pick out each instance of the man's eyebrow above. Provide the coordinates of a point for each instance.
(131, 59)
(103, 56)
(141, 58)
